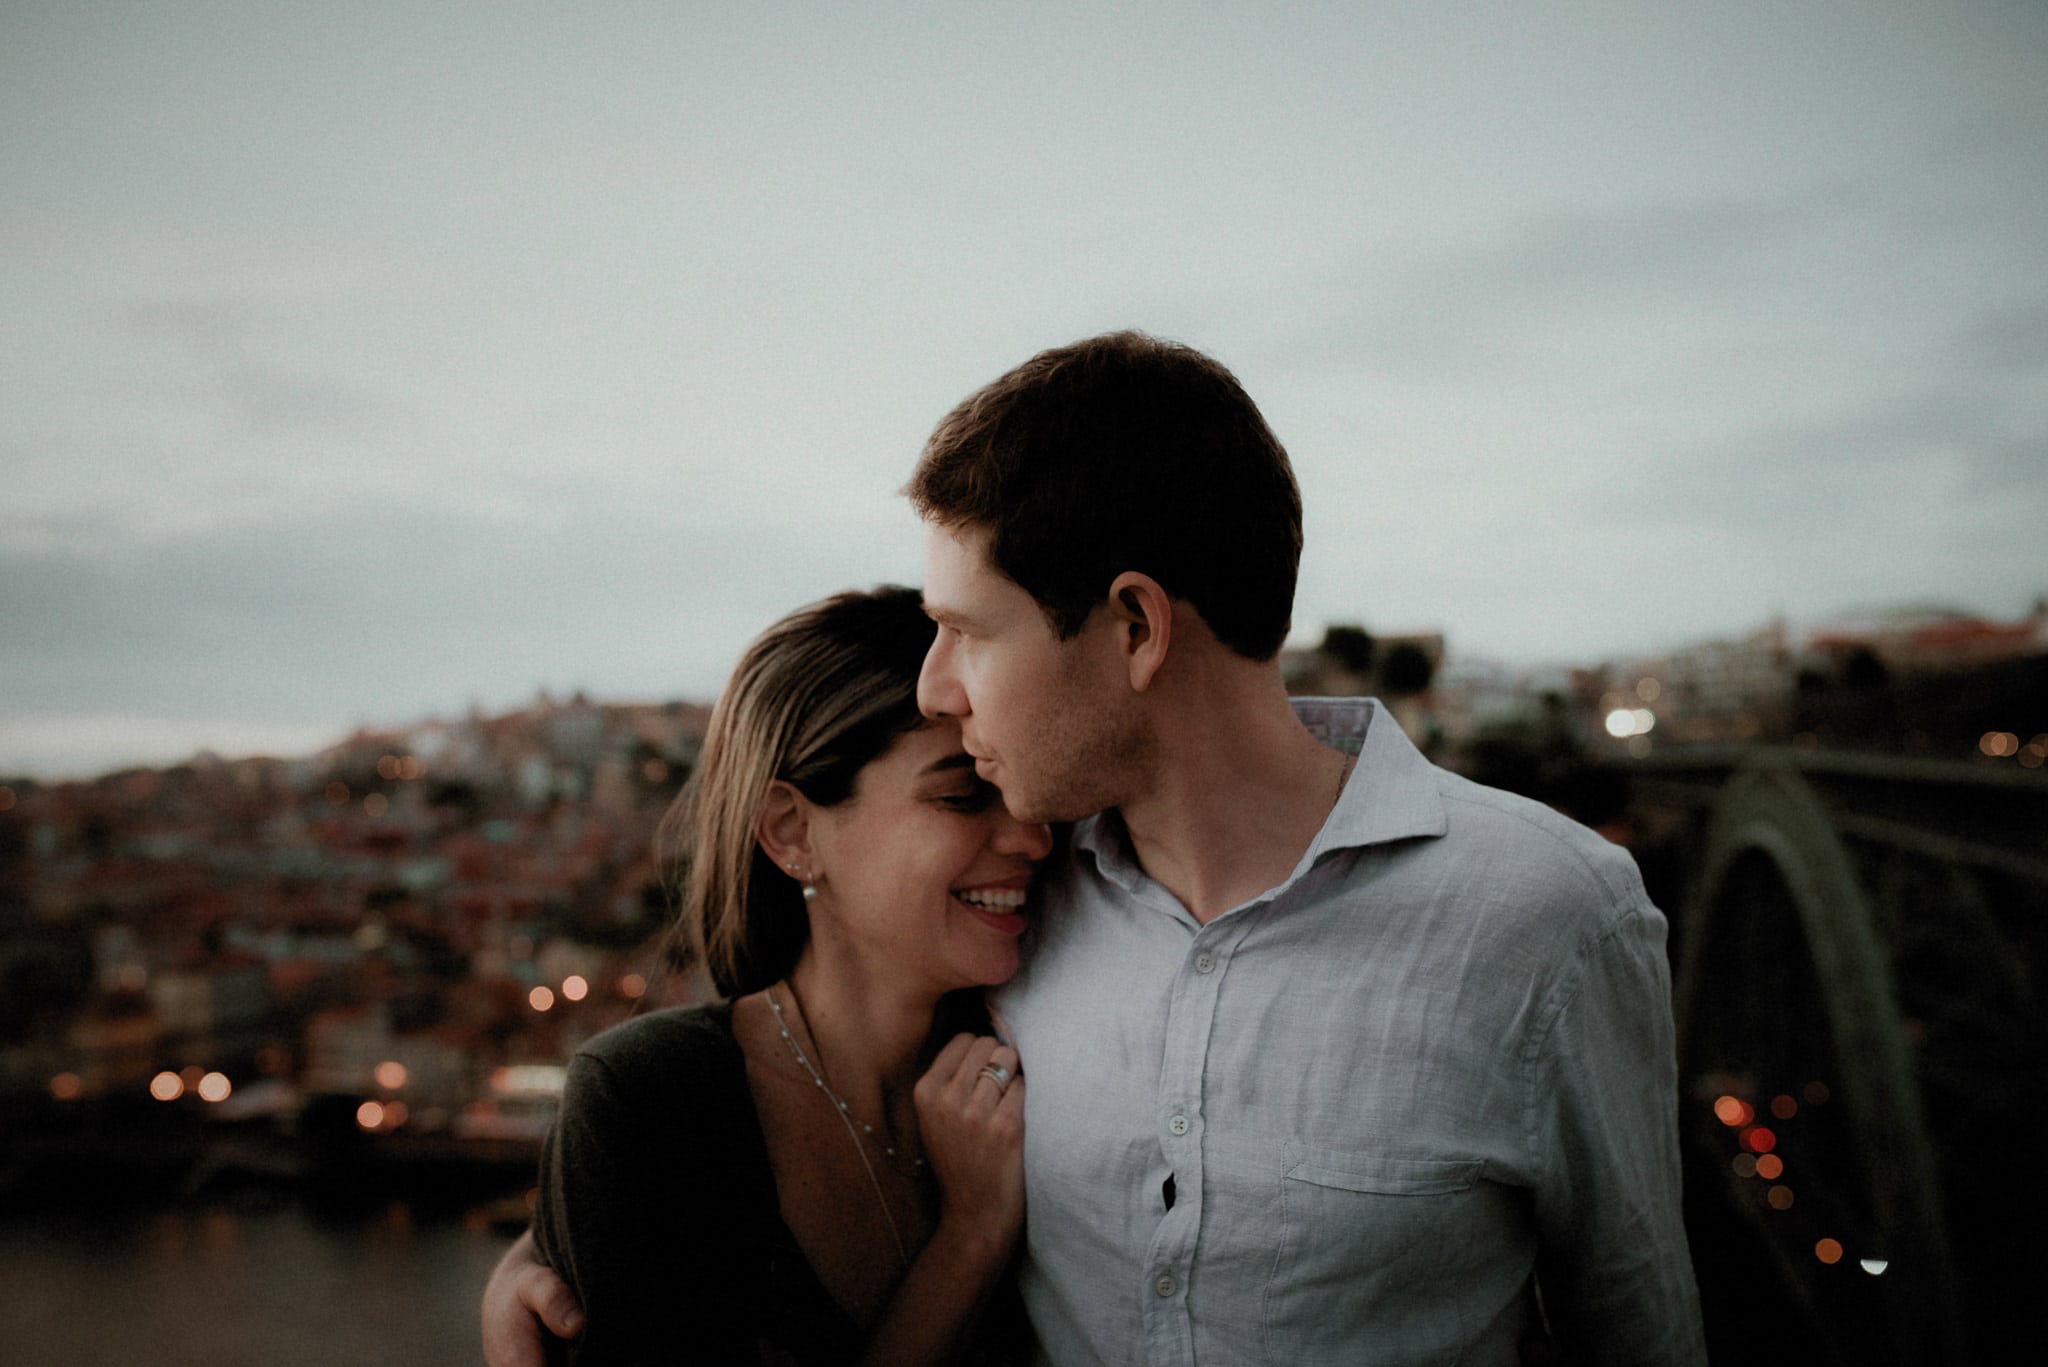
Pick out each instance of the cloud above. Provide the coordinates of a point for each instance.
(397, 608)
(382, 366)
(269, 402)
(2010, 341)
(1611, 426)
(212, 322)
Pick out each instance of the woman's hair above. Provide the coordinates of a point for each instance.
(815, 698)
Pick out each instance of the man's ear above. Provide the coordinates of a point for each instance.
(783, 829)
(1143, 615)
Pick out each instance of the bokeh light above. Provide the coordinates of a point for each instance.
(167, 1086)
(1624, 722)
(67, 1087)
(1784, 1107)
(1770, 1167)
(1828, 1251)
(1780, 1198)
(632, 987)
(370, 1114)
(575, 988)
(390, 1074)
(1998, 744)
(532, 1079)
(215, 1087)
(1733, 1111)
(541, 998)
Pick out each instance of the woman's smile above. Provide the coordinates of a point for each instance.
(1000, 905)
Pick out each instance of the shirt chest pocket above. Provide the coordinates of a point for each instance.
(1382, 1175)
(1374, 1237)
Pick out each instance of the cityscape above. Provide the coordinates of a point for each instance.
(409, 419)
(358, 973)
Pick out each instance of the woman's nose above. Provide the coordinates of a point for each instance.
(1032, 839)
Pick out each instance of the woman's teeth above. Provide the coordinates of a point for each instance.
(994, 899)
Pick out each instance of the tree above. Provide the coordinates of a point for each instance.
(1407, 669)
(1863, 671)
(1350, 645)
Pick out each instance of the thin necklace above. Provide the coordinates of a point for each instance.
(845, 1118)
(915, 1164)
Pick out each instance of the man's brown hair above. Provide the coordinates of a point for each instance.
(1124, 452)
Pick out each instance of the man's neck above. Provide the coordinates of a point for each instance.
(1239, 791)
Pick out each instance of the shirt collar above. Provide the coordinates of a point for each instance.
(1391, 794)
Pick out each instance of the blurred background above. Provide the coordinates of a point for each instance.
(411, 410)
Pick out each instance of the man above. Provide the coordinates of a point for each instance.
(1335, 1057)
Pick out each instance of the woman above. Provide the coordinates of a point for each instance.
(826, 1167)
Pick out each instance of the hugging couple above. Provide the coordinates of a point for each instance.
(1086, 998)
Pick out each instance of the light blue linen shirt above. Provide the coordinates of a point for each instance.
(1346, 1121)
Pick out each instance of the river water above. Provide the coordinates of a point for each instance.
(265, 1284)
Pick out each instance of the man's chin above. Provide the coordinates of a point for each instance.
(1039, 810)
(1046, 808)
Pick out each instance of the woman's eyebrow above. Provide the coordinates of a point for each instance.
(959, 759)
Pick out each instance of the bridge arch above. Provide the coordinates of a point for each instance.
(1785, 982)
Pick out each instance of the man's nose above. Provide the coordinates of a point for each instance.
(938, 690)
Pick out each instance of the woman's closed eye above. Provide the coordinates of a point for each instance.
(974, 797)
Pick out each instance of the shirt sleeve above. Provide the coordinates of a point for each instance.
(1613, 1263)
(618, 1220)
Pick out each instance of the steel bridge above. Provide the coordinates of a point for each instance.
(1857, 949)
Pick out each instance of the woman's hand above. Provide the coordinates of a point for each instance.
(973, 1127)
(970, 1111)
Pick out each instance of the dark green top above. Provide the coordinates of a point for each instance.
(658, 1205)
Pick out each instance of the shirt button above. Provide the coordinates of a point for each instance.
(1178, 1125)
(1165, 1285)
(1204, 961)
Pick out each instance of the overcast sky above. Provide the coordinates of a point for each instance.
(364, 362)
